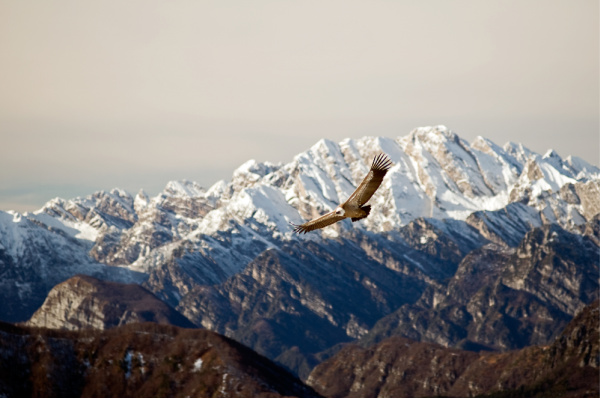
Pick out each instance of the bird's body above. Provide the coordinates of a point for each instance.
(354, 207)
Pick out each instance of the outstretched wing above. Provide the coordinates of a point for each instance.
(318, 223)
(370, 184)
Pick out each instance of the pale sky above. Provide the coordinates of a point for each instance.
(131, 94)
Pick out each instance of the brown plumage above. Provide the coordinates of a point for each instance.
(354, 207)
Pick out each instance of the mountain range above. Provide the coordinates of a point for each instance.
(469, 245)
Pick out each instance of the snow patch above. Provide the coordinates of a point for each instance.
(197, 365)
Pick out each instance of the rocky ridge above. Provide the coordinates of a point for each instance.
(504, 298)
(84, 302)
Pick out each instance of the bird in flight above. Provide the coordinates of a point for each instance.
(354, 207)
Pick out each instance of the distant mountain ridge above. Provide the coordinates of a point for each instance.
(227, 259)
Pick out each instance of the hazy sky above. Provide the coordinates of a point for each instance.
(131, 94)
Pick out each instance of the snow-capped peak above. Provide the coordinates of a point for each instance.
(582, 169)
(186, 236)
(184, 188)
(435, 174)
(551, 154)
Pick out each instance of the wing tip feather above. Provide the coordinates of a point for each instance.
(381, 163)
(299, 229)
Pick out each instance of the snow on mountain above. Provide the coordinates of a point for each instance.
(215, 232)
(579, 167)
(86, 217)
(184, 188)
(435, 174)
(35, 256)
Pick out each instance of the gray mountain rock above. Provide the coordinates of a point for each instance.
(84, 302)
(504, 298)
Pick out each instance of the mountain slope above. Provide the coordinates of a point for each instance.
(400, 367)
(137, 360)
(504, 298)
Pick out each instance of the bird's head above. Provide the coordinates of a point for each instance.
(339, 211)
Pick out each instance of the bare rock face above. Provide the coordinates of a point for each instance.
(504, 298)
(136, 360)
(588, 194)
(399, 367)
(85, 302)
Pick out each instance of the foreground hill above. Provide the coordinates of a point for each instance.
(136, 360)
(85, 302)
(400, 367)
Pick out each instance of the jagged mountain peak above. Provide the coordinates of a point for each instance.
(141, 201)
(485, 145)
(435, 174)
(324, 148)
(551, 154)
(250, 173)
(116, 202)
(184, 188)
(433, 134)
(118, 192)
(518, 151)
(258, 168)
(581, 168)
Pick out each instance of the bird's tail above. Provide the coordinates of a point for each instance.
(367, 209)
